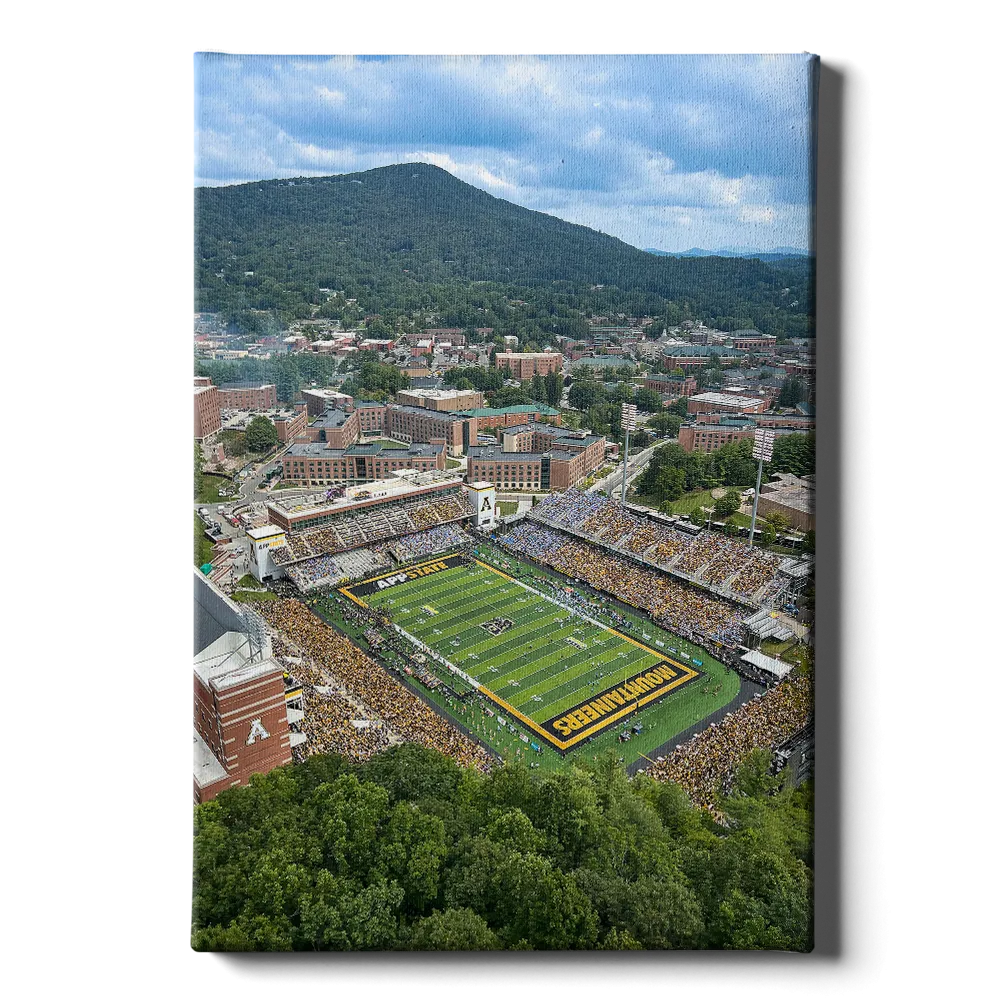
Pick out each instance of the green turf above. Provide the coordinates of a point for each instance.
(533, 668)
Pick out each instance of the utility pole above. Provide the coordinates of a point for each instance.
(628, 424)
(763, 449)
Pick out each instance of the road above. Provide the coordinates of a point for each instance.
(636, 464)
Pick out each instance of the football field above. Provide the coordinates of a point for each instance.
(563, 674)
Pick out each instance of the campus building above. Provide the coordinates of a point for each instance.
(524, 366)
(320, 400)
(793, 496)
(726, 402)
(489, 417)
(706, 438)
(753, 340)
(207, 412)
(317, 464)
(290, 425)
(246, 709)
(672, 386)
(248, 396)
(536, 456)
(444, 400)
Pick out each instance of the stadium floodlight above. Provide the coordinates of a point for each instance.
(763, 449)
(628, 424)
(763, 444)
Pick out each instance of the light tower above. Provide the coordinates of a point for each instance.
(628, 424)
(763, 448)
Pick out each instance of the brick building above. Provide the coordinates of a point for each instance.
(508, 416)
(672, 386)
(691, 356)
(248, 396)
(523, 366)
(320, 400)
(414, 423)
(793, 496)
(445, 400)
(753, 340)
(316, 464)
(207, 412)
(245, 709)
(291, 425)
(710, 437)
(334, 428)
(725, 402)
(537, 457)
(711, 434)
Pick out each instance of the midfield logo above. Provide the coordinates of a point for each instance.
(496, 626)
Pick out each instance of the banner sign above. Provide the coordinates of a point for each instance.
(379, 583)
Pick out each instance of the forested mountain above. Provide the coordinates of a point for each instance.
(411, 237)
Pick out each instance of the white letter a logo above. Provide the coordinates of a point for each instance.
(257, 731)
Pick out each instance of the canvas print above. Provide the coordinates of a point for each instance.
(504, 448)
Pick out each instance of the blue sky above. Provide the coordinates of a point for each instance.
(661, 151)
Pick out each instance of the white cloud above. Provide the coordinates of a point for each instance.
(331, 96)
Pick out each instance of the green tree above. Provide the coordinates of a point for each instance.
(647, 400)
(198, 478)
(679, 406)
(780, 522)
(668, 424)
(553, 388)
(453, 930)
(261, 434)
(793, 391)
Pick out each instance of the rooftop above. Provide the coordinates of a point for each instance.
(207, 769)
(726, 399)
(492, 411)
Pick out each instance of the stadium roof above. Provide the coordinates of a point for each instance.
(207, 769)
(757, 659)
(266, 532)
(214, 613)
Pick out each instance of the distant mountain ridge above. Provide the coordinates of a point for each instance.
(779, 253)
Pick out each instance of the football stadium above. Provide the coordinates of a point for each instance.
(584, 628)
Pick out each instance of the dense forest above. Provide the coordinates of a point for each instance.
(410, 851)
(411, 240)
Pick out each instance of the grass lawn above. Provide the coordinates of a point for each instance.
(546, 659)
(210, 486)
(452, 463)
(202, 546)
(508, 506)
(254, 596)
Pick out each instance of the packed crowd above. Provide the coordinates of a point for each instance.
(704, 766)
(330, 570)
(683, 610)
(364, 681)
(759, 570)
(372, 525)
(709, 557)
(426, 543)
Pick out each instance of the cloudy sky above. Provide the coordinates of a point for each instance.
(669, 152)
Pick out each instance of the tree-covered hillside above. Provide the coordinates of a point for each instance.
(411, 237)
(410, 851)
